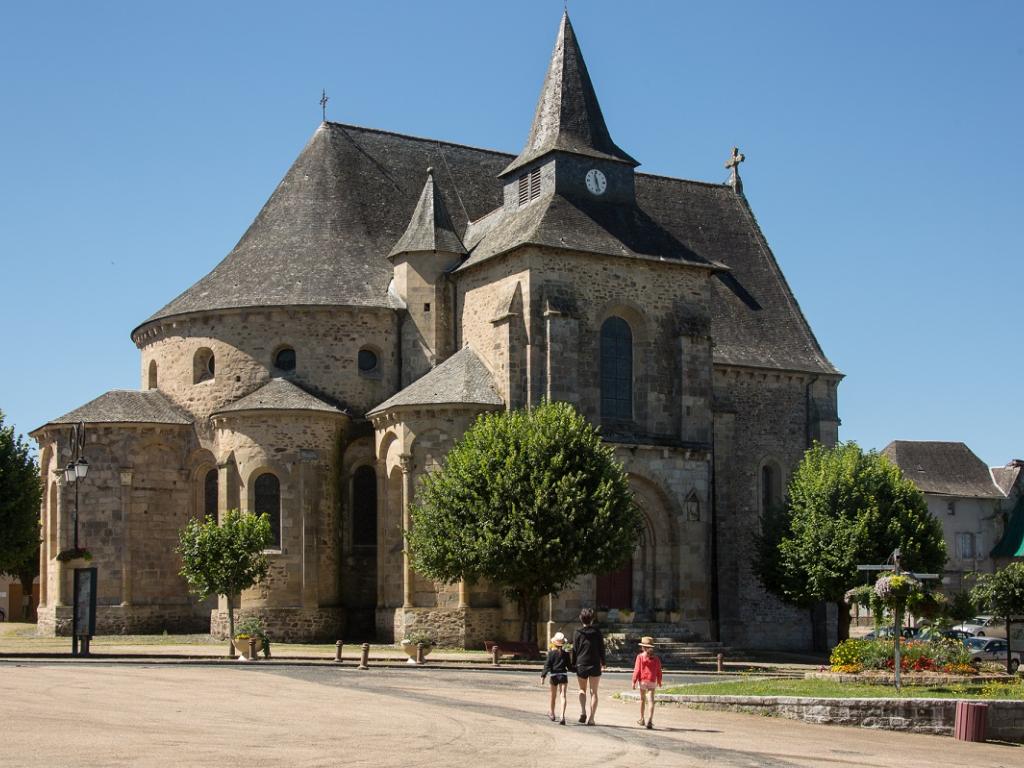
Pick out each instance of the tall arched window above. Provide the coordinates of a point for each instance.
(616, 369)
(152, 374)
(268, 502)
(203, 365)
(210, 495)
(364, 507)
(771, 486)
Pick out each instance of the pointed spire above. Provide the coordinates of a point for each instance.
(568, 117)
(430, 228)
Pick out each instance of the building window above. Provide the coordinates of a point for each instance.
(202, 365)
(950, 507)
(210, 495)
(529, 186)
(364, 507)
(692, 507)
(616, 369)
(284, 360)
(771, 487)
(368, 361)
(152, 375)
(268, 502)
(965, 543)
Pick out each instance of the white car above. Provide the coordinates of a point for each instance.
(991, 649)
(984, 626)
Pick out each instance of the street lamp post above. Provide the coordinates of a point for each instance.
(73, 472)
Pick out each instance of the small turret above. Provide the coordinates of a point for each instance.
(422, 256)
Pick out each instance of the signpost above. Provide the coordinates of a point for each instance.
(893, 564)
(83, 622)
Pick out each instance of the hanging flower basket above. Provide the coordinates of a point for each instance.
(893, 590)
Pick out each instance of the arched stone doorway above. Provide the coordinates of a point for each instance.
(360, 572)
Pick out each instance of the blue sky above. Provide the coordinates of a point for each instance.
(138, 141)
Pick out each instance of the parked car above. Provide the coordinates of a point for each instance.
(991, 649)
(908, 633)
(984, 626)
(956, 634)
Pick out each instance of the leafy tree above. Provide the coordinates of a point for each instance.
(527, 500)
(224, 559)
(961, 608)
(1002, 593)
(845, 507)
(20, 495)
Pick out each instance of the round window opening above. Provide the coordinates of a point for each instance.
(285, 359)
(367, 361)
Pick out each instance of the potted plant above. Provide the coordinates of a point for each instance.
(411, 643)
(602, 613)
(626, 616)
(251, 628)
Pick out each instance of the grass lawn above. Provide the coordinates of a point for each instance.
(829, 689)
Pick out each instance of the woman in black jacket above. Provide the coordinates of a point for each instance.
(588, 662)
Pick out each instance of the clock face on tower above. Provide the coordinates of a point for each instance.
(596, 182)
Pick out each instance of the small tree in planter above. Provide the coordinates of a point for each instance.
(1002, 593)
(224, 559)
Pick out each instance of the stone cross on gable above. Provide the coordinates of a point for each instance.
(733, 164)
(323, 103)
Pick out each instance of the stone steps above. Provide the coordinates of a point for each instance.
(676, 651)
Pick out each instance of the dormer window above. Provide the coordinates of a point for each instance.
(529, 186)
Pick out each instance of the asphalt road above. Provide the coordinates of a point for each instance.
(162, 715)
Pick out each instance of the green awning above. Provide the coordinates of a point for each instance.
(1012, 543)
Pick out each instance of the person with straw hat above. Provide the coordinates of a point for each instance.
(646, 674)
(557, 665)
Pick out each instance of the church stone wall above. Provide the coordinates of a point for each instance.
(301, 449)
(138, 494)
(761, 416)
(244, 344)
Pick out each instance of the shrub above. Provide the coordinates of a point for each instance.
(915, 655)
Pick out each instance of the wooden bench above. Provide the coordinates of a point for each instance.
(513, 648)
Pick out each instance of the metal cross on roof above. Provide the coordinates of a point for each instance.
(733, 164)
(323, 103)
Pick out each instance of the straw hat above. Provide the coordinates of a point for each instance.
(646, 641)
(558, 639)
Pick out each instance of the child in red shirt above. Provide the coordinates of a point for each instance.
(646, 673)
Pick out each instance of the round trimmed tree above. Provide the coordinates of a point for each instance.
(527, 500)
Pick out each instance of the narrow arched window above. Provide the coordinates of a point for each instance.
(268, 502)
(364, 507)
(771, 486)
(202, 365)
(210, 495)
(152, 375)
(284, 360)
(616, 369)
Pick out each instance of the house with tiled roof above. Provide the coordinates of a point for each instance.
(392, 289)
(977, 506)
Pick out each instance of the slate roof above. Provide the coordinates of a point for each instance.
(462, 379)
(279, 395)
(1006, 477)
(568, 115)
(947, 469)
(126, 406)
(430, 228)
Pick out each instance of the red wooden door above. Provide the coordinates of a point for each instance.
(615, 590)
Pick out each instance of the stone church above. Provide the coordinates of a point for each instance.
(392, 289)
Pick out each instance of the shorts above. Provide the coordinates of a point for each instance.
(583, 674)
(648, 685)
(560, 679)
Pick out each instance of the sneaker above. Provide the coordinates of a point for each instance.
(562, 721)
(551, 717)
(641, 722)
(650, 725)
(583, 718)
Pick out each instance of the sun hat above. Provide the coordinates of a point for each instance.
(646, 641)
(558, 639)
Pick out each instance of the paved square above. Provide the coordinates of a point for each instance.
(64, 714)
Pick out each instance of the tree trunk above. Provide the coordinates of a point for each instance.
(1009, 648)
(26, 580)
(231, 628)
(842, 621)
(528, 614)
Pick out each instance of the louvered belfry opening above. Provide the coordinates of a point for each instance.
(529, 186)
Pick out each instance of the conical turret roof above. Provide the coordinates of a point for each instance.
(430, 228)
(568, 116)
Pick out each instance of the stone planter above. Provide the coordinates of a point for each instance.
(626, 617)
(675, 616)
(242, 646)
(410, 651)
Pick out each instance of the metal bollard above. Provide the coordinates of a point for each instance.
(337, 651)
(419, 653)
(364, 660)
(252, 649)
(495, 655)
(720, 665)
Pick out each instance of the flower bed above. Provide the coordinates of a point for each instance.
(941, 655)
